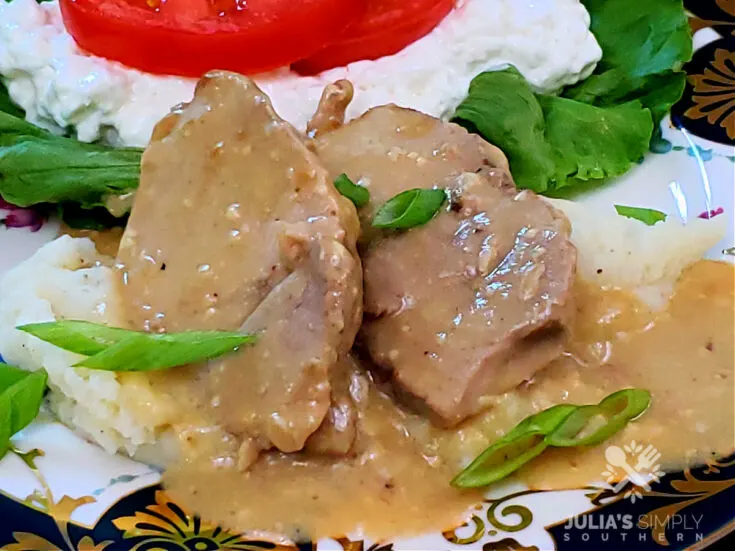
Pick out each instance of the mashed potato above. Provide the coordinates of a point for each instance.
(67, 278)
(60, 86)
(621, 252)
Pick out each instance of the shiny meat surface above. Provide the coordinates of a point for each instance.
(236, 225)
(473, 303)
(391, 149)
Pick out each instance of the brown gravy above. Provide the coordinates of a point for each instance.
(256, 238)
(106, 241)
(377, 487)
(397, 479)
(683, 355)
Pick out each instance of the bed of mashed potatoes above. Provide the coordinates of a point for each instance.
(68, 278)
(61, 87)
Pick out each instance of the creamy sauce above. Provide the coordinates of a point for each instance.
(386, 486)
(396, 479)
(106, 241)
(684, 356)
(360, 461)
(254, 238)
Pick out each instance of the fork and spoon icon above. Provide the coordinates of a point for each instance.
(617, 457)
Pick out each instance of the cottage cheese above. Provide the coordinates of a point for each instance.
(61, 87)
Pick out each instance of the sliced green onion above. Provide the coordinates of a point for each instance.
(561, 426)
(359, 195)
(518, 447)
(80, 337)
(114, 349)
(499, 461)
(615, 412)
(647, 216)
(542, 422)
(409, 209)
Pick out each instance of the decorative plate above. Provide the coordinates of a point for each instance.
(73, 496)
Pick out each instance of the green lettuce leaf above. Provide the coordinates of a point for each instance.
(645, 43)
(594, 143)
(21, 395)
(554, 142)
(97, 218)
(642, 37)
(39, 167)
(7, 105)
(658, 93)
(601, 127)
(503, 109)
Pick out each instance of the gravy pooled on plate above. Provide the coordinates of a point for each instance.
(237, 226)
(395, 480)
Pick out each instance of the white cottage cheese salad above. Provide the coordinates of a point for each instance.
(59, 85)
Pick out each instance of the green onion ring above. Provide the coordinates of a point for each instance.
(560, 426)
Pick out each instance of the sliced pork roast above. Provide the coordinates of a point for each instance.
(474, 302)
(236, 225)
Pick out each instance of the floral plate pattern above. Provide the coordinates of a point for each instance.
(59, 493)
(708, 106)
(686, 509)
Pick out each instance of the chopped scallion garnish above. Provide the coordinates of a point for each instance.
(115, 349)
(647, 216)
(563, 425)
(409, 209)
(359, 195)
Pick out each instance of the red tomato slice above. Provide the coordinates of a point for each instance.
(191, 37)
(386, 28)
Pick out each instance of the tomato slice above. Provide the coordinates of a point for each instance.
(191, 37)
(387, 27)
